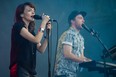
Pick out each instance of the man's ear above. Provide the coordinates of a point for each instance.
(72, 21)
(22, 15)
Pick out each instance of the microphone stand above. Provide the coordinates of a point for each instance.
(49, 63)
(95, 34)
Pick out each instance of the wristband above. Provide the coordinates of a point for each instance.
(41, 30)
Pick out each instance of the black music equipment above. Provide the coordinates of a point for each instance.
(112, 51)
(99, 66)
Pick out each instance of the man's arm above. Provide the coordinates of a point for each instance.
(67, 50)
(86, 59)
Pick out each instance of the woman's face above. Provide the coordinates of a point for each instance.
(28, 14)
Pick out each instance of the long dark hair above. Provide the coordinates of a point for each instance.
(19, 10)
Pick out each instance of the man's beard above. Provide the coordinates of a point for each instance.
(78, 27)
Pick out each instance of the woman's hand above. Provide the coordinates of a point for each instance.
(45, 18)
(48, 28)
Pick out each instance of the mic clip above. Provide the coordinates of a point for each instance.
(93, 32)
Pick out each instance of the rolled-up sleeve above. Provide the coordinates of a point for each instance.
(68, 39)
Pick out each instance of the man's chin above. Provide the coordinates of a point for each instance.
(79, 28)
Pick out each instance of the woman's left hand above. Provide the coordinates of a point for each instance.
(49, 25)
(48, 28)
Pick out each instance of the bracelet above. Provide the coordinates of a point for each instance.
(41, 30)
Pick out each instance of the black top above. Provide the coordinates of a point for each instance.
(23, 52)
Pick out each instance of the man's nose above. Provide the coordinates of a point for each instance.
(83, 20)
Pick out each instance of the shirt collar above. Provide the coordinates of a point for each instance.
(74, 30)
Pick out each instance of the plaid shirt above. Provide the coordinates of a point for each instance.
(64, 66)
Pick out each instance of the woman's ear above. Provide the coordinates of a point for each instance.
(22, 15)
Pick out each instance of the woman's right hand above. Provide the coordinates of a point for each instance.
(45, 18)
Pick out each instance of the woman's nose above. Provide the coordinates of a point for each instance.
(33, 13)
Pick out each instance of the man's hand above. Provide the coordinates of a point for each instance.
(87, 59)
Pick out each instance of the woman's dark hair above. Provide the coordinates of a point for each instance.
(19, 10)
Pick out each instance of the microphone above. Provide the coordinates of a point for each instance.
(38, 17)
(88, 29)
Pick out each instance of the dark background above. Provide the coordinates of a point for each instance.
(101, 15)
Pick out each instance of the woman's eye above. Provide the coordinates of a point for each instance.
(29, 10)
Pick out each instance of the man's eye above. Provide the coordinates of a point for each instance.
(80, 17)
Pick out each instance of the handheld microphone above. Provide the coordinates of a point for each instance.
(38, 17)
